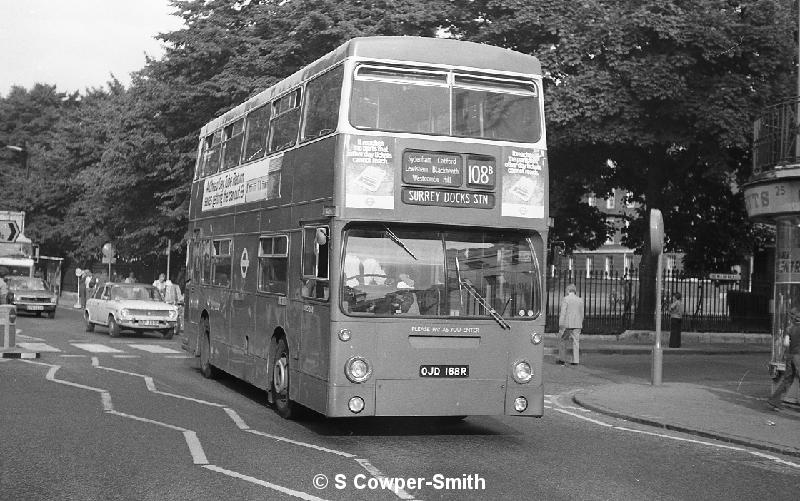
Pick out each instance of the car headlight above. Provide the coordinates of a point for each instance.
(124, 313)
(522, 372)
(173, 314)
(357, 370)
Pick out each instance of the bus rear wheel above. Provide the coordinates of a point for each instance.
(280, 381)
(208, 370)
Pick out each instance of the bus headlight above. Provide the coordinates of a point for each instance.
(522, 372)
(536, 338)
(357, 370)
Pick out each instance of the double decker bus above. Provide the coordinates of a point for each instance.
(367, 235)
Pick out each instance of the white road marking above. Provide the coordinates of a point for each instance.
(67, 355)
(190, 437)
(31, 338)
(178, 356)
(676, 438)
(153, 348)
(96, 348)
(402, 494)
(242, 425)
(126, 356)
(263, 483)
(39, 347)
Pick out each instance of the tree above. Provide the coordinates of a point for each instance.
(665, 90)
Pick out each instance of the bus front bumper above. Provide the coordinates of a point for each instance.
(483, 397)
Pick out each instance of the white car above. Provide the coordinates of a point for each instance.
(137, 307)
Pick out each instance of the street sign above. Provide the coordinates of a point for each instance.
(656, 232)
(9, 231)
(725, 276)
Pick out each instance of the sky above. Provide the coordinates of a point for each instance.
(75, 44)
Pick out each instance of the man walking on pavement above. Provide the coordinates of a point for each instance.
(570, 323)
(791, 342)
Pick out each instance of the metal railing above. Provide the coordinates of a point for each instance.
(611, 302)
(775, 137)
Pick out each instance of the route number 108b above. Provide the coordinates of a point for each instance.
(481, 174)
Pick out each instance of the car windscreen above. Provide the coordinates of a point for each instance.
(146, 293)
(26, 283)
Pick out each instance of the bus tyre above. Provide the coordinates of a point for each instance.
(280, 381)
(89, 325)
(113, 327)
(206, 369)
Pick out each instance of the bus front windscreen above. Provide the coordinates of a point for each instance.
(434, 102)
(388, 270)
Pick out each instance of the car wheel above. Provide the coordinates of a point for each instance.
(208, 370)
(51, 314)
(89, 325)
(167, 334)
(113, 327)
(280, 381)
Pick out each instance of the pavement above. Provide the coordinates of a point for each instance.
(696, 409)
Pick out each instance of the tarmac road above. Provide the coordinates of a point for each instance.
(131, 418)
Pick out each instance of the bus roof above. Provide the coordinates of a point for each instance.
(423, 50)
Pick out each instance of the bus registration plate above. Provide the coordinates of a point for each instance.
(444, 371)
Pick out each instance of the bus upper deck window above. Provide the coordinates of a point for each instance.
(496, 109)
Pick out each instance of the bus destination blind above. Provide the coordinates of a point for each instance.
(447, 198)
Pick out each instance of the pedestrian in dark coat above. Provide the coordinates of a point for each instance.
(675, 319)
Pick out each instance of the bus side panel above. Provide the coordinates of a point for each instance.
(242, 308)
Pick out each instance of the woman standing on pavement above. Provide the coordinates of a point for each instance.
(675, 319)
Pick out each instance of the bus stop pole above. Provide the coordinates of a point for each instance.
(656, 250)
(658, 353)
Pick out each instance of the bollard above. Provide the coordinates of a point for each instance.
(8, 333)
(8, 326)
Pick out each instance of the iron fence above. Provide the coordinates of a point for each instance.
(709, 305)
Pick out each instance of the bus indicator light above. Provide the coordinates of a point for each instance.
(356, 405)
(520, 404)
(344, 335)
(536, 338)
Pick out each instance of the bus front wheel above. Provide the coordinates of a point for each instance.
(208, 370)
(280, 381)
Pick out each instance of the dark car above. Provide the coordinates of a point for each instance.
(31, 295)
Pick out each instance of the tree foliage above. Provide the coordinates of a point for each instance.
(656, 97)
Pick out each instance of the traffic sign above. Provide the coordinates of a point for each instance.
(9, 231)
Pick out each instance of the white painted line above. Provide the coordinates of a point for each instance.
(67, 355)
(38, 347)
(195, 448)
(263, 483)
(178, 356)
(126, 356)
(5, 359)
(301, 444)
(680, 439)
(31, 338)
(153, 348)
(402, 494)
(96, 348)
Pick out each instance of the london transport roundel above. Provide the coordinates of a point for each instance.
(244, 262)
